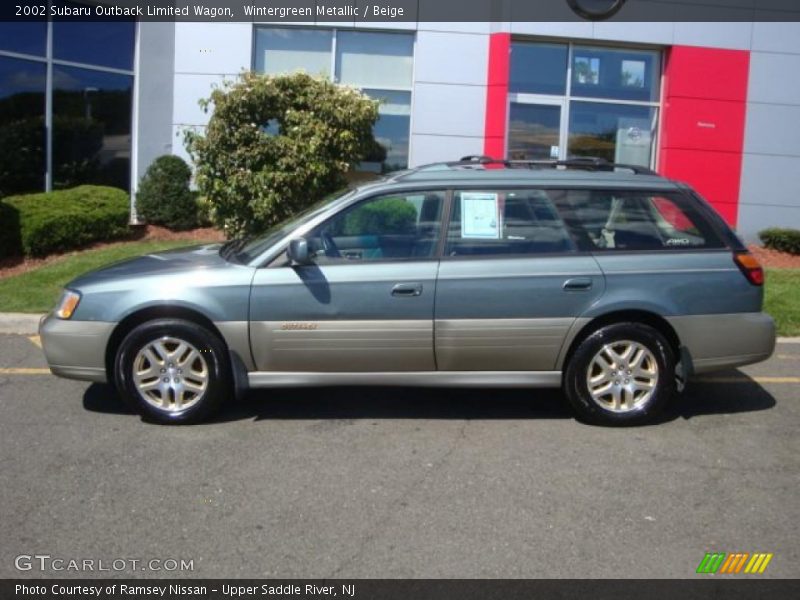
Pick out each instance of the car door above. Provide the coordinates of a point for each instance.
(510, 284)
(366, 302)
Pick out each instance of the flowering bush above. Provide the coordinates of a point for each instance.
(275, 144)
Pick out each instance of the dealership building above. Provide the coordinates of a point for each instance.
(713, 104)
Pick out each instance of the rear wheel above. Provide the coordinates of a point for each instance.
(172, 371)
(622, 374)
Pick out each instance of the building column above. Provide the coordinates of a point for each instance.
(499, 72)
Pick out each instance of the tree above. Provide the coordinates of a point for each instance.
(275, 144)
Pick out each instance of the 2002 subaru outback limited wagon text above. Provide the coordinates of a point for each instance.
(607, 280)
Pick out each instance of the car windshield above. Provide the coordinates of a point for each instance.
(244, 250)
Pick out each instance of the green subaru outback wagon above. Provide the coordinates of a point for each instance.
(608, 281)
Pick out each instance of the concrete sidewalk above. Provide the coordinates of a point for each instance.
(19, 323)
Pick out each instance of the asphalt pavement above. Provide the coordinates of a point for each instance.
(378, 482)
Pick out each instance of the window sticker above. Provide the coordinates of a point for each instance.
(480, 216)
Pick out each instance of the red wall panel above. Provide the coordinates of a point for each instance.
(715, 175)
(709, 73)
(703, 122)
(499, 70)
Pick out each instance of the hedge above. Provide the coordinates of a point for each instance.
(41, 224)
(784, 240)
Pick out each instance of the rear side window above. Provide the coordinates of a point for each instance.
(610, 220)
(505, 222)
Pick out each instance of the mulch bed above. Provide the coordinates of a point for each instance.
(772, 259)
(17, 265)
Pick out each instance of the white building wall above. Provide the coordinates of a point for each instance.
(205, 55)
(770, 191)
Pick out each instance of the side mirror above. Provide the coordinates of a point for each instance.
(298, 252)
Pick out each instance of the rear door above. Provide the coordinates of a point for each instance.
(511, 283)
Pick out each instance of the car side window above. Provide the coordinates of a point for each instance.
(397, 226)
(625, 220)
(505, 222)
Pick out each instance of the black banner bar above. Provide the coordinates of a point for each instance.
(382, 11)
(423, 589)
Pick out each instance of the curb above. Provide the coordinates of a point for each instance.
(28, 324)
(19, 323)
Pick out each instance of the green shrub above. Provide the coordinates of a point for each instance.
(205, 211)
(784, 240)
(387, 216)
(62, 220)
(164, 197)
(276, 144)
(10, 242)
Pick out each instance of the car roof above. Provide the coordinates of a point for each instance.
(581, 173)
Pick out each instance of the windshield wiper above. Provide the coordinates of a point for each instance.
(231, 247)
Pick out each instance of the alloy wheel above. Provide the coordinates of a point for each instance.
(622, 376)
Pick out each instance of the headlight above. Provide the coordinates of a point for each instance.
(67, 304)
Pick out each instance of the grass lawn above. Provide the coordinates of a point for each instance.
(783, 300)
(37, 290)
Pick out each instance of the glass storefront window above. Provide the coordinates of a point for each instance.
(91, 127)
(617, 132)
(569, 100)
(91, 104)
(24, 37)
(534, 131)
(538, 68)
(374, 60)
(107, 44)
(381, 64)
(287, 50)
(615, 74)
(391, 131)
(22, 127)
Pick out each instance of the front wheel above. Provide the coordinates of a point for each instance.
(172, 371)
(622, 374)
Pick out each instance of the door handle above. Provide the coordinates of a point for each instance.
(579, 284)
(407, 290)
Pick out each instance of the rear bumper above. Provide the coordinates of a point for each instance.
(715, 342)
(76, 349)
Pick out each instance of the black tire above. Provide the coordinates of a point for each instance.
(217, 370)
(576, 386)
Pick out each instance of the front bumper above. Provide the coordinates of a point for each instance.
(76, 349)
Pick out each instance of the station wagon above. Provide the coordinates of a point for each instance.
(608, 281)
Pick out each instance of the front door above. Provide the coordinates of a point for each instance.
(366, 304)
(510, 283)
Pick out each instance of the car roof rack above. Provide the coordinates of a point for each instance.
(584, 163)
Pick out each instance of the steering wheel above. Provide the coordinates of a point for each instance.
(329, 246)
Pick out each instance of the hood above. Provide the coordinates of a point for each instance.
(159, 263)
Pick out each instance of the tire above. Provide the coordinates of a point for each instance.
(173, 371)
(603, 394)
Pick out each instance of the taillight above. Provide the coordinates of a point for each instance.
(750, 267)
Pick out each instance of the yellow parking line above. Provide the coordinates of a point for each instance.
(748, 380)
(23, 371)
(788, 356)
(35, 340)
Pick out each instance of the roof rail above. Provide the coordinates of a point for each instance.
(586, 163)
